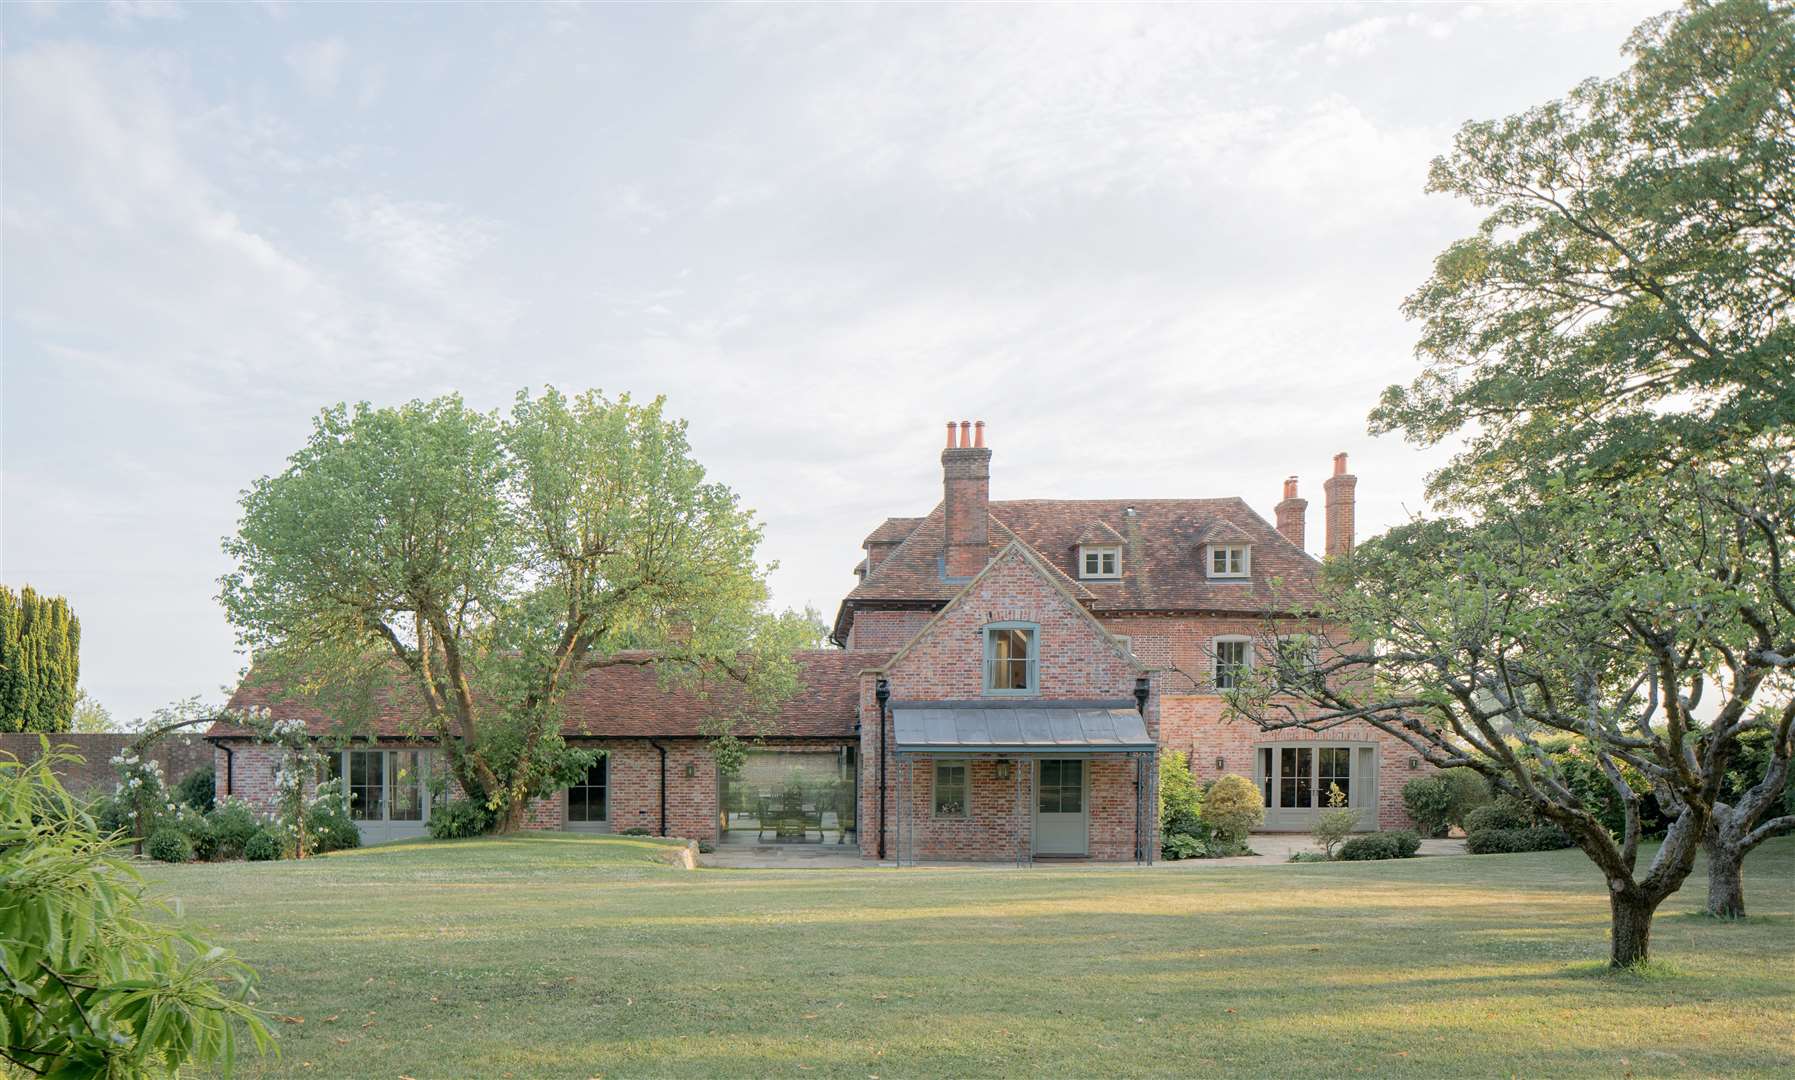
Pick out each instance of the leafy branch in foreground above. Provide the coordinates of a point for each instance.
(92, 985)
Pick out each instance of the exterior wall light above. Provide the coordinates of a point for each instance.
(1414, 763)
(1221, 764)
(691, 770)
(1003, 770)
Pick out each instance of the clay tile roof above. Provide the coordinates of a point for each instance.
(893, 531)
(628, 700)
(860, 568)
(1224, 531)
(1161, 559)
(1098, 532)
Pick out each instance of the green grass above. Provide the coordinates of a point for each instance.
(567, 956)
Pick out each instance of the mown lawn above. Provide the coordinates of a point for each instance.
(566, 956)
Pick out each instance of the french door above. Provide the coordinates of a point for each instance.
(388, 798)
(1297, 781)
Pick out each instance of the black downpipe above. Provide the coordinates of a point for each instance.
(230, 768)
(663, 751)
(1143, 688)
(882, 691)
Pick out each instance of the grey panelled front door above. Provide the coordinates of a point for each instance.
(1062, 808)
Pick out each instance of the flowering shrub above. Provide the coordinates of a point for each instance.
(232, 823)
(327, 820)
(140, 799)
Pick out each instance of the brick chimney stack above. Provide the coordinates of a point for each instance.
(1291, 514)
(1339, 488)
(966, 478)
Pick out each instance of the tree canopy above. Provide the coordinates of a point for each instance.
(1626, 299)
(476, 564)
(1611, 560)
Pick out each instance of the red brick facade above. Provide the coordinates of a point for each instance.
(945, 662)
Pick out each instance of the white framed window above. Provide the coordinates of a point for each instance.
(1230, 560)
(1012, 663)
(1233, 659)
(953, 789)
(1100, 561)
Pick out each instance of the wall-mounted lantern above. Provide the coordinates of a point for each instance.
(691, 770)
(1003, 770)
(1221, 764)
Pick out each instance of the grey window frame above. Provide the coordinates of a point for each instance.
(1246, 562)
(1034, 659)
(965, 767)
(1084, 555)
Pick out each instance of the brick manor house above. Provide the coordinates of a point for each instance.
(1007, 676)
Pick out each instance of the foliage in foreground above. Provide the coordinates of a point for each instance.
(93, 985)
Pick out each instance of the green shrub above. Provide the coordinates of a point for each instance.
(1468, 790)
(1180, 797)
(196, 789)
(1308, 856)
(169, 844)
(1232, 808)
(636, 830)
(1181, 846)
(264, 846)
(459, 818)
(233, 823)
(97, 986)
(1429, 802)
(1380, 845)
(199, 832)
(1505, 812)
(1508, 841)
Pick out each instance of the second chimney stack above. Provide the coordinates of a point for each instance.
(1339, 489)
(1292, 515)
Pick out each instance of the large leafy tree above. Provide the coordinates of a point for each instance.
(40, 661)
(1611, 352)
(1645, 621)
(472, 567)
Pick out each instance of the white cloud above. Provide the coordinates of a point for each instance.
(319, 64)
(131, 12)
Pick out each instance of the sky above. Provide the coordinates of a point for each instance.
(1160, 250)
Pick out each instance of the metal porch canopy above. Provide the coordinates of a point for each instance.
(1020, 727)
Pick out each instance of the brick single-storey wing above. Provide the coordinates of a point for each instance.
(1008, 677)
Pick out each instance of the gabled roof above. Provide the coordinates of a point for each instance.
(1098, 532)
(627, 700)
(1162, 568)
(892, 531)
(1055, 578)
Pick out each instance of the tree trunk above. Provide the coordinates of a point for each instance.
(512, 820)
(1726, 880)
(1630, 928)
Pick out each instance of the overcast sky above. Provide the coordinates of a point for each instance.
(1159, 250)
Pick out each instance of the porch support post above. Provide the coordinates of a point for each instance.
(1016, 809)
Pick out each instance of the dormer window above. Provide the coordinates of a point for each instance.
(1099, 561)
(1230, 560)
